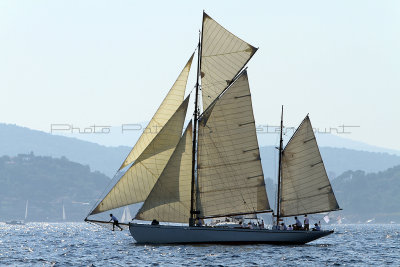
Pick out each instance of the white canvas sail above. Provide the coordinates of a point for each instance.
(64, 216)
(123, 218)
(26, 210)
(169, 201)
(223, 55)
(305, 187)
(126, 215)
(230, 175)
(137, 182)
(167, 108)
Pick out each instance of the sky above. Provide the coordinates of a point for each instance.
(112, 62)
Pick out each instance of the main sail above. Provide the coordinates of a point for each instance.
(137, 182)
(223, 55)
(230, 176)
(305, 187)
(167, 108)
(169, 200)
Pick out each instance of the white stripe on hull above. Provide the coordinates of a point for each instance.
(163, 234)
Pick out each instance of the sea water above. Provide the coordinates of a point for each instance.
(81, 244)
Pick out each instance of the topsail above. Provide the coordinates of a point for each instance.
(223, 56)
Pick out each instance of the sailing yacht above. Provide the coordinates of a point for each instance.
(64, 216)
(20, 222)
(126, 215)
(213, 169)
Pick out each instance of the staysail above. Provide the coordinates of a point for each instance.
(305, 187)
(230, 176)
(167, 108)
(169, 201)
(137, 182)
(223, 55)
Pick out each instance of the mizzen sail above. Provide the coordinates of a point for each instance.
(167, 108)
(137, 182)
(230, 176)
(223, 55)
(305, 187)
(169, 201)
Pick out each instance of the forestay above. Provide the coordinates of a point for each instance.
(230, 176)
(305, 187)
(137, 182)
(169, 105)
(169, 201)
(223, 55)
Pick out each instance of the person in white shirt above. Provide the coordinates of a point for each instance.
(290, 228)
(306, 223)
(283, 227)
(115, 221)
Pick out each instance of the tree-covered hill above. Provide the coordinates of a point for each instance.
(369, 196)
(16, 140)
(48, 184)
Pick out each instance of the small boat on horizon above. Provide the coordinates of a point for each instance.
(16, 222)
(20, 222)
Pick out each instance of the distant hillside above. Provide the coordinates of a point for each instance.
(337, 161)
(47, 184)
(373, 196)
(15, 140)
(127, 135)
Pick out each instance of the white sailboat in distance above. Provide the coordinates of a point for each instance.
(64, 216)
(126, 215)
(214, 168)
(26, 210)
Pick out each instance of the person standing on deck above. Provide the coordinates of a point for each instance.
(115, 221)
(306, 223)
(297, 225)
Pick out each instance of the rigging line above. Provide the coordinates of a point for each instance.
(100, 197)
(126, 158)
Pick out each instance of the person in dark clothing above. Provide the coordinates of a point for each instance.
(297, 225)
(115, 221)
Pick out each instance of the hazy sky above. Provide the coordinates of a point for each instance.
(112, 62)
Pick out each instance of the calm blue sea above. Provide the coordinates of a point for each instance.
(81, 244)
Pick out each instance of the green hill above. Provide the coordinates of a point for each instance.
(47, 183)
(373, 196)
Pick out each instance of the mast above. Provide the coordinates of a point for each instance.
(279, 172)
(193, 210)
